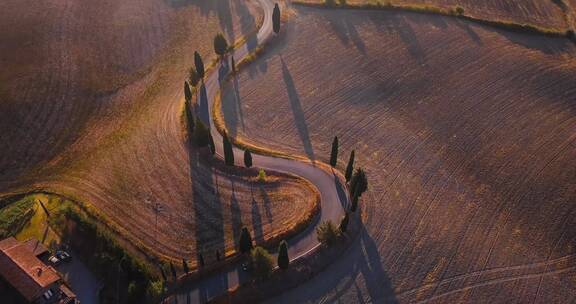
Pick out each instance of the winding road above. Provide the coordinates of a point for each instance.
(330, 185)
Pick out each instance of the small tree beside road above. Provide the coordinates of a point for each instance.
(245, 241)
(327, 233)
(283, 259)
(350, 167)
(220, 45)
(276, 18)
(247, 159)
(334, 153)
(199, 64)
(228, 151)
(262, 263)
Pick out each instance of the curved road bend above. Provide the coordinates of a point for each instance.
(333, 194)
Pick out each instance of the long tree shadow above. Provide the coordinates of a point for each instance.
(220, 8)
(340, 189)
(299, 118)
(236, 216)
(266, 200)
(257, 222)
(208, 213)
(377, 281)
(232, 109)
(203, 110)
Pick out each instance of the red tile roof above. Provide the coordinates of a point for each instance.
(23, 270)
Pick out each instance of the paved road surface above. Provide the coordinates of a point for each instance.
(333, 193)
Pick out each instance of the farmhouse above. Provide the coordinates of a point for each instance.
(22, 268)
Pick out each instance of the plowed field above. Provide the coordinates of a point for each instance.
(91, 105)
(550, 14)
(468, 135)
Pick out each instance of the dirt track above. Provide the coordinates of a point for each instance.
(468, 134)
(118, 143)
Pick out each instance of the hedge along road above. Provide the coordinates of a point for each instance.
(333, 194)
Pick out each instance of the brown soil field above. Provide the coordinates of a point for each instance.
(542, 13)
(91, 108)
(468, 135)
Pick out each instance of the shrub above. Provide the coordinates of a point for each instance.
(262, 176)
(459, 10)
(262, 263)
(283, 259)
(155, 289)
(327, 233)
(330, 2)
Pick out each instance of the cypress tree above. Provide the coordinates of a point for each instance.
(334, 153)
(173, 270)
(233, 65)
(247, 159)
(218, 255)
(199, 65)
(189, 118)
(245, 241)
(193, 77)
(344, 223)
(283, 259)
(187, 92)
(220, 45)
(350, 167)
(228, 152)
(185, 266)
(276, 18)
(200, 260)
(211, 143)
(362, 182)
(163, 274)
(359, 180)
(354, 205)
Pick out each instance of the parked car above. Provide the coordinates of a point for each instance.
(63, 256)
(54, 260)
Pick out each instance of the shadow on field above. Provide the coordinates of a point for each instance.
(203, 110)
(363, 258)
(208, 213)
(220, 8)
(236, 215)
(232, 108)
(341, 190)
(299, 118)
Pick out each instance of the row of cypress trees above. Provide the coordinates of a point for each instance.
(358, 182)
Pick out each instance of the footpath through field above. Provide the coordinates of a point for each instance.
(332, 191)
